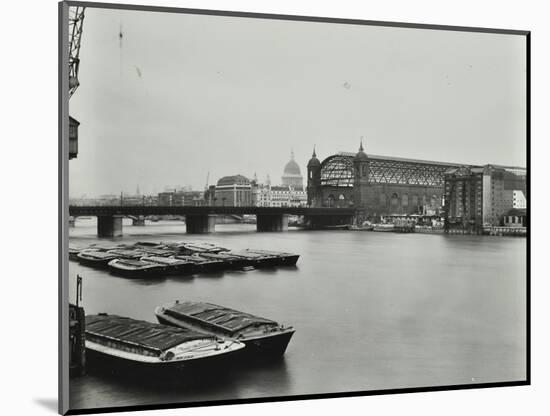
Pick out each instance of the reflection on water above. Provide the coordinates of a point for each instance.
(371, 311)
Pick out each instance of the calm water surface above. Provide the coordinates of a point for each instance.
(371, 311)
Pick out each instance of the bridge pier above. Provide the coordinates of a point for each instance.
(109, 226)
(272, 222)
(200, 224)
(138, 221)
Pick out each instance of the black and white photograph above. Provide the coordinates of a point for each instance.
(266, 207)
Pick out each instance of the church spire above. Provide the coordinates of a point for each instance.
(291, 153)
(361, 145)
(313, 155)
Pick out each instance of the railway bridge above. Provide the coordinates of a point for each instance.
(202, 219)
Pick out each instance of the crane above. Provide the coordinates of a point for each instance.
(76, 20)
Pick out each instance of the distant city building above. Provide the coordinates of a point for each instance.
(516, 198)
(290, 193)
(292, 177)
(181, 198)
(112, 199)
(264, 195)
(515, 218)
(233, 191)
(481, 196)
(210, 194)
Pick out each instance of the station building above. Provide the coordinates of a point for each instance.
(376, 185)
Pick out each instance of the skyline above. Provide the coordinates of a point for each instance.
(242, 93)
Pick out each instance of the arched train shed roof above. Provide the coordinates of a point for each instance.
(337, 170)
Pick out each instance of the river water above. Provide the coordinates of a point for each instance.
(371, 310)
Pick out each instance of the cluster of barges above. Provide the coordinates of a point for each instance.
(190, 336)
(143, 259)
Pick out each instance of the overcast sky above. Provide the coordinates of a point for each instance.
(183, 95)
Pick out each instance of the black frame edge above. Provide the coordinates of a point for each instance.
(317, 396)
(301, 18)
(63, 209)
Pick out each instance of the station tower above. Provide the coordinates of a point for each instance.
(361, 180)
(314, 181)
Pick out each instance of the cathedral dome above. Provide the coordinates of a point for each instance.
(291, 174)
(292, 168)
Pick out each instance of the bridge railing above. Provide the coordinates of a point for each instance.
(104, 210)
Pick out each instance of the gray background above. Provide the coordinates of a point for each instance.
(182, 95)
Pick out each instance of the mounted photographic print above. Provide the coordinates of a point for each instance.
(264, 207)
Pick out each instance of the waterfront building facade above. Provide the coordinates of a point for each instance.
(265, 195)
(481, 196)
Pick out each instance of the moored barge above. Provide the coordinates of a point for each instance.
(95, 257)
(126, 344)
(172, 265)
(263, 337)
(134, 268)
(230, 261)
(277, 258)
(203, 264)
(73, 253)
(197, 247)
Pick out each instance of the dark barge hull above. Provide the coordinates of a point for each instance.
(182, 371)
(210, 267)
(73, 255)
(268, 346)
(278, 259)
(125, 346)
(289, 260)
(207, 266)
(230, 263)
(136, 274)
(95, 263)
